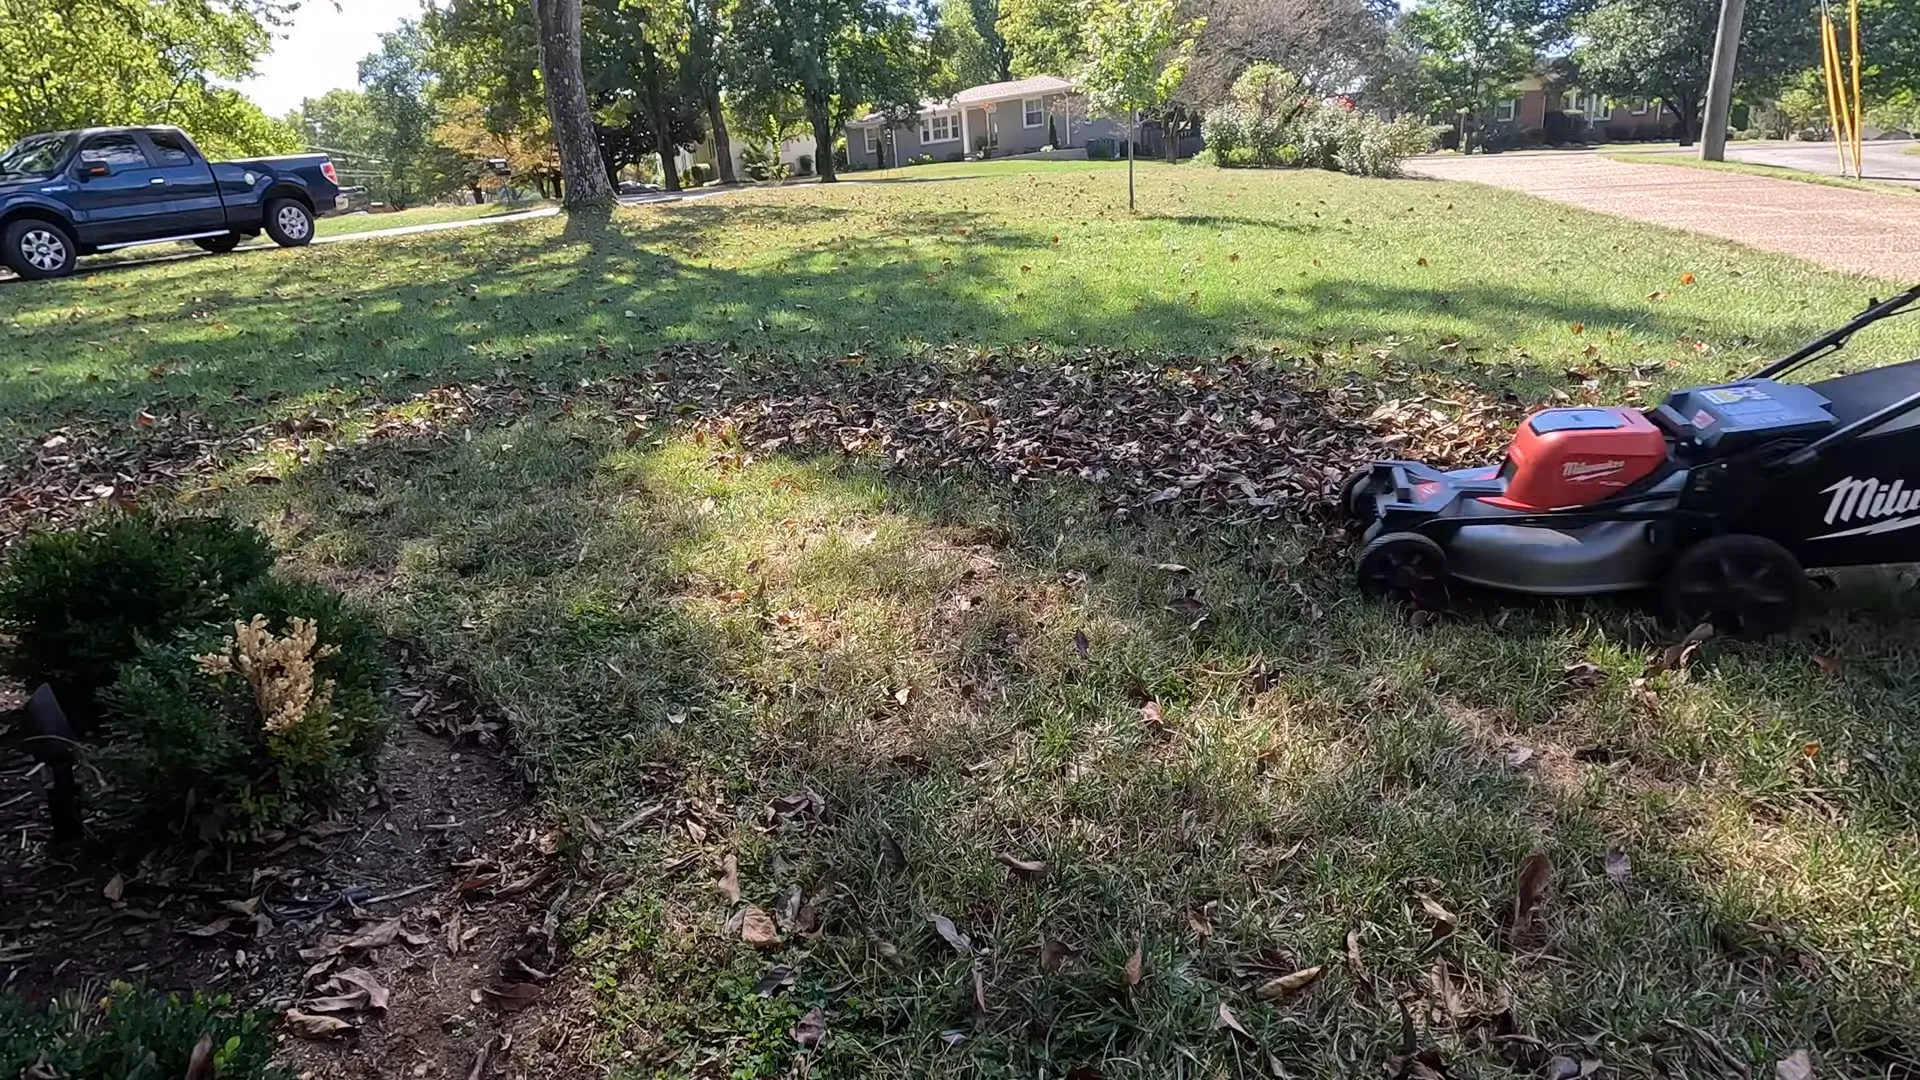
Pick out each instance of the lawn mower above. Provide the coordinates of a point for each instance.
(1721, 497)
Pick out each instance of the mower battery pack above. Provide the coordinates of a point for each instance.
(1571, 457)
(1725, 419)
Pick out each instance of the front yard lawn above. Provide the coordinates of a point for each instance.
(879, 552)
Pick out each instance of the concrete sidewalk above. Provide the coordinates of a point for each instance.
(1863, 232)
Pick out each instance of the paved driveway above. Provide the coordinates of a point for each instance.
(1865, 232)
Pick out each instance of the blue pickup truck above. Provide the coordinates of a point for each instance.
(64, 194)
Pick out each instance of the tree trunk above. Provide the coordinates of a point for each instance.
(586, 179)
(1689, 115)
(722, 142)
(822, 142)
(663, 143)
(1133, 134)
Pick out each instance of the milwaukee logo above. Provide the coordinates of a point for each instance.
(1872, 500)
(1590, 470)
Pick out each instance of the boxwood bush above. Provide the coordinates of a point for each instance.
(79, 602)
(133, 1033)
(212, 689)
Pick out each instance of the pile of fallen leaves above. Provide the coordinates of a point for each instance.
(1228, 442)
(1236, 441)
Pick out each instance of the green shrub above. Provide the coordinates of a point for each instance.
(1262, 114)
(80, 602)
(245, 727)
(1207, 158)
(133, 1033)
(1240, 157)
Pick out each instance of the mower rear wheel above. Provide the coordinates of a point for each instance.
(1404, 567)
(1746, 586)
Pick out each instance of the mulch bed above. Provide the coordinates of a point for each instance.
(412, 926)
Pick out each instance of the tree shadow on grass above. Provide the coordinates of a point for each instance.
(959, 669)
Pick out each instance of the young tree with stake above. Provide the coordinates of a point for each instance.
(1137, 55)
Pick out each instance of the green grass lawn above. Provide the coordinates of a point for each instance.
(496, 437)
(348, 224)
(1751, 168)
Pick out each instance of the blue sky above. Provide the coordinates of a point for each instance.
(321, 49)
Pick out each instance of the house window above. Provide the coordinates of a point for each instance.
(1639, 106)
(940, 127)
(1032, 113)
(871, 144)
(1506, 111)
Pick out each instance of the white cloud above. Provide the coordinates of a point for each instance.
(320, 50)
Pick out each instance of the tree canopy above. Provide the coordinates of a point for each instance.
(1044, 37)
(80, 63)
(1453, 56)
(1663, 49)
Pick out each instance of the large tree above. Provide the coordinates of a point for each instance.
(968, 46)
(636, 58)
(1455, 58)
(397, 82)
(710, 56)
(1330, 44)
(1891, 29)
(834, 56)
(72, 63)
(587, 183)
(1663, 49)
(1044, 37)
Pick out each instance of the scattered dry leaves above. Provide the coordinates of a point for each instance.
(1286, 986)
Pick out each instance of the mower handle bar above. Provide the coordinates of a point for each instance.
(1833, 340)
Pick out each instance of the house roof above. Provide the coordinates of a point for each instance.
(987, 94)
(1018, 88)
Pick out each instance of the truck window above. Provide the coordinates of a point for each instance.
(119, 151)
(171, 149)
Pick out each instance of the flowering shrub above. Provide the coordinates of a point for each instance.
(1270, 120)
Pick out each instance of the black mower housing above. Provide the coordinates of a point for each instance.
(1830, 471)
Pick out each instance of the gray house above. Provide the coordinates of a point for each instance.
(1005, 118)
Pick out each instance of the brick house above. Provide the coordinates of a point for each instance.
(1534, 97)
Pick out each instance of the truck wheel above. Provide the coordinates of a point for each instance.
(289, 222)
(1746, 586)
(34, 248)
(1404, 567)
(219, 245)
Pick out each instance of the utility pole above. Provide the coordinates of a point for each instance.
(1726, 44)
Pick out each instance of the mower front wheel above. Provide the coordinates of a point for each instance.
(1746, 586)
(1405, 567)
(1356, 499)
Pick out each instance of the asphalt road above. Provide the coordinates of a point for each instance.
(1885, 160)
